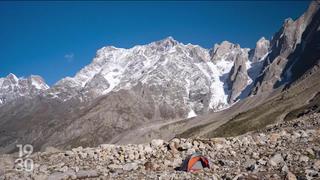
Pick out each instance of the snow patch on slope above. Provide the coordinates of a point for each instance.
(191, 114)
(38, 85)
(113, 79)
(219, 97)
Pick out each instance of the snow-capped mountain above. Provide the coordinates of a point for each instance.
(187, 76)
(192, 78)
(11, 87)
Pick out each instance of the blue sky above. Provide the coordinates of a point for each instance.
(57, 39)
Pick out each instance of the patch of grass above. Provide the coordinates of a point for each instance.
(193, 131)
(311, 156)
(313, 106)
(237, 127)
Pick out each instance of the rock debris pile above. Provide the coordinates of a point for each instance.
(287, 150)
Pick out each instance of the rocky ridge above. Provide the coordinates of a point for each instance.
(262, 49)
(11, 87)
(288, 150)
(238, 77)
(285, 49)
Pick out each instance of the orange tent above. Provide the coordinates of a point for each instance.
(195, 162)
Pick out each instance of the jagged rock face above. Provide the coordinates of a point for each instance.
(261, 49)
(225, 50)
(238, 77)
(282, 46)
(305, 60)
(96, 85)
(11, 87)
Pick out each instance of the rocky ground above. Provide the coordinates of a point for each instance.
(287, 150)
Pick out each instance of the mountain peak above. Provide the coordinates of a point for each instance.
(261, 49)
(38, 82)
(11, 87)
(169, 38)
(167, 42)
(223, 50)
(262, 39)
(12, 77)
(263, 42)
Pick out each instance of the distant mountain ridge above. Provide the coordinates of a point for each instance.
(200, 72)
(12, 87)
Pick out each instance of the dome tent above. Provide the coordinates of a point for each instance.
(194, 162)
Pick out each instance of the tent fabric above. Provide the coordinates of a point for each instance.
(192, 162)
(195, 162)
(196, 166)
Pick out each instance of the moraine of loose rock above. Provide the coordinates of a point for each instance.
(287, 150)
